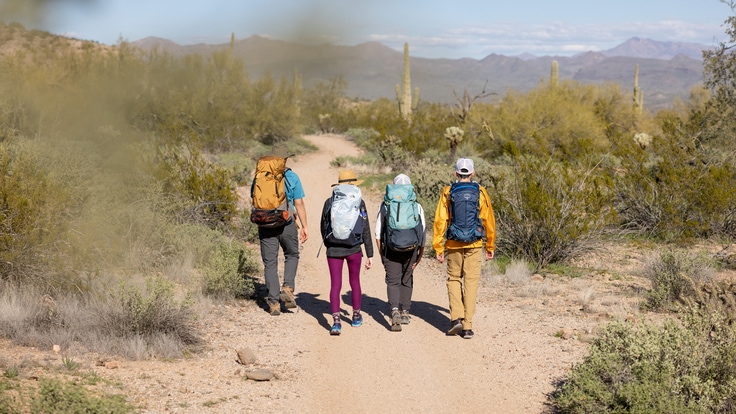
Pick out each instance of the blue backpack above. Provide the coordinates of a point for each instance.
(347, 218)
(465, 223)
(403, 226)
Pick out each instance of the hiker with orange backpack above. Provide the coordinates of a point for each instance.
(464, 230)
(345, 228)
(278, 203)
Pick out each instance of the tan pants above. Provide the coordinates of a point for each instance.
(463, 277)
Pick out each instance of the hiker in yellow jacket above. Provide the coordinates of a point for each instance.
(462, 239)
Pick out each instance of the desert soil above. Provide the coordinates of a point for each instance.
(528, 332)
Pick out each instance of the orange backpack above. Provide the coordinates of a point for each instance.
(268, 192)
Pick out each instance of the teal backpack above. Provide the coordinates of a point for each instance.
(403, 226)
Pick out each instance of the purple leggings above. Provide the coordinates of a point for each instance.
(335, 266)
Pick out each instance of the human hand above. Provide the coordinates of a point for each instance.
(489, 255)
(369, 263)
(303, 235)
(441, 257)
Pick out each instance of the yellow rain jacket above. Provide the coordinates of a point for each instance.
(442, 221)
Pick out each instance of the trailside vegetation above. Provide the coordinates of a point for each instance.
(118, 167)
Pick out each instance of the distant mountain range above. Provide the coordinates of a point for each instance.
(372, 70)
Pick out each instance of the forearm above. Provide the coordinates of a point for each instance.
(301, 213)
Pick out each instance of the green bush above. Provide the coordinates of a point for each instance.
(674, 189)
(34, 206)
(55, 396)
(229, 272)
(562, 122)
(209, 188)
(549, 212)
(147, 313)
(675, 367)
(675, 275)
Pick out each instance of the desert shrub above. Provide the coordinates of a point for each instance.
(560, 122)
(679, 366)
(674, 189)
(675, 274)
(549, 212)
(147, 313)
(363, 137)
(229, 272)
(429, 178)
(209, 188)
(322, 105)
(34, 207)
(57, 396)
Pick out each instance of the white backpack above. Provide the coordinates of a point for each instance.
(345, 216)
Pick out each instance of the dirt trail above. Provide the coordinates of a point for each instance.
(371, 369)
(508, 367)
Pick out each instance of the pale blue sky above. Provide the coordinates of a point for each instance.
(447, 28)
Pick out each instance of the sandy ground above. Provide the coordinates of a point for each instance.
(527, 334)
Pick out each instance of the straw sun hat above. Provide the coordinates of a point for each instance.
(347, 177)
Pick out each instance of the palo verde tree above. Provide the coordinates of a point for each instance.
(719, 76)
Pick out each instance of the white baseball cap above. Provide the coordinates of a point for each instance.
(464, 166)
(402, 179)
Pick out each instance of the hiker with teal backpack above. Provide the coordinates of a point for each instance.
(464, 231)
(400, 239)
(345, 228)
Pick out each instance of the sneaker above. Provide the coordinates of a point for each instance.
(405, 317)
(456, 327)
(274, 308)
(468, 334)
(336, 326)
(287, 296)
(357, 319)
(395, 320)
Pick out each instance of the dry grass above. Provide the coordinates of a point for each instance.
(131, 322)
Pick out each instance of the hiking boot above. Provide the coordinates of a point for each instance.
(336, 326)
(287, 296)
(357, 319)
(456, 327)
(467, 334)
(405, 317)
(274, 308)
(395, 320)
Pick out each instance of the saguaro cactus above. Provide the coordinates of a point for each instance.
(554, 77)
(638, 94)
(403, 92)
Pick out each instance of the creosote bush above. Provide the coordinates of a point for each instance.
(675, 190)
(229, 272)
(549, 212)
(677, 367)
(675, 274)
(148, 313)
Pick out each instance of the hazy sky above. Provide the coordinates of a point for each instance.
(447, 28)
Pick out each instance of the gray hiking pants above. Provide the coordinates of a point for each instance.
(288, 238)
(399, 278)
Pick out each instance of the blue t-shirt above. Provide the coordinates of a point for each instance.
(294, 189)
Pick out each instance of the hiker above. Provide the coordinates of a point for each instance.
(290, 228)
(400, 240)
(345, 229)
(464, 229)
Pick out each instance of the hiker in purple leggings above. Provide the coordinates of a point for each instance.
(343, 238)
